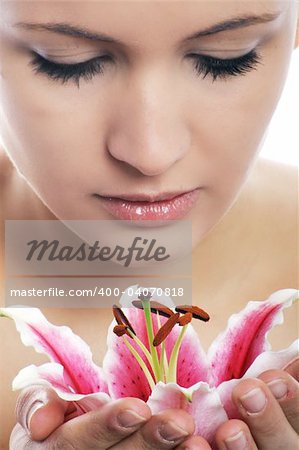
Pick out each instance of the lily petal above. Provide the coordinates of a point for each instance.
(192, 361)
(273, 360)
(62, 346)
(245, 337)
(124, 375)
(205, 405)
(52, 374)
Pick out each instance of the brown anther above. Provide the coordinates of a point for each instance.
(120, 330)
(121, 319)
(166, 329)
(155, 307)
(163, 310)
(197, 313)
(185, 319)
(138, 304)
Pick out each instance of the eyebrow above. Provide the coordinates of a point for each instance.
(236, 23)
(79, 32)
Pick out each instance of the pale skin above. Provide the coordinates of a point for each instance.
(105, 138)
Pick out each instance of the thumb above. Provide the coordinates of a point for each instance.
(40, 411)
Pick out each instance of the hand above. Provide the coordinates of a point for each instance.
(120, 425)
(270, 412)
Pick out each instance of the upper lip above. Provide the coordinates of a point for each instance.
(143, 197)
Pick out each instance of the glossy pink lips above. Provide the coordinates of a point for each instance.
(167, 209)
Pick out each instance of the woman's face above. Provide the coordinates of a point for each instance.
(176, 99)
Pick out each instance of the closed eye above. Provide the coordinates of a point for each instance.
(225, 68)
(204, 65)
(65, 72)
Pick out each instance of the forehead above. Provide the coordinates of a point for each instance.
(138, 22)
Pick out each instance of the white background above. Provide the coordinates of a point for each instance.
(282, 141)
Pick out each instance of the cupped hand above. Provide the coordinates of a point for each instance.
(269, 406)
(47, 422)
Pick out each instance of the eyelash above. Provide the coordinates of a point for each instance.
(65, 72)
(204, 65)
(225, 68)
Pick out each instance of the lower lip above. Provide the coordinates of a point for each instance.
(172, 209)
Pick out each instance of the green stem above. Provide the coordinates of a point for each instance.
(162, 352)
(172, 369)
(150, 335)
(140, 362)
(142, 347)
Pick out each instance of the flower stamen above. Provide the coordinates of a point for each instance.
(121, 318)
(185, 319)
(156, 307)
(154, 362)
(165, 330)
(197, 313)
(120, 330)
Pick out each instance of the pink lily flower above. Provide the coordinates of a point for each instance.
(154, 354)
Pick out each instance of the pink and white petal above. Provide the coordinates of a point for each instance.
(225, 393)
(193, 364)
(166, 396)
(124, 375)
(62, 346)
(205, 406)
(49, 374)
(273, 360)
(208, 412)
(245, 337)
(52, 375)
(120, 363)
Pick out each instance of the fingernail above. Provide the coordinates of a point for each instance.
(254, 401)
(278, 388)
(129, 418)
(170, 431)
(34, 407)
(236, 442)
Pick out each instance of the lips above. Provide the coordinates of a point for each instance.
(167, 206)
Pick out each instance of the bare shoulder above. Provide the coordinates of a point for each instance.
(270, 197)
(276, 182)
(269, 204)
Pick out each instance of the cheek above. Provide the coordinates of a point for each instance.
(230, 123)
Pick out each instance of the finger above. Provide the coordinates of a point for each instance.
(194, 443)
(234, 435)
(103, 428)
(293, 369)
(40, 411)
(286, 391)
(165, 430)
(19, 438)
(262, 413)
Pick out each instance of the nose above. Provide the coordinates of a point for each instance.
(148, 131)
